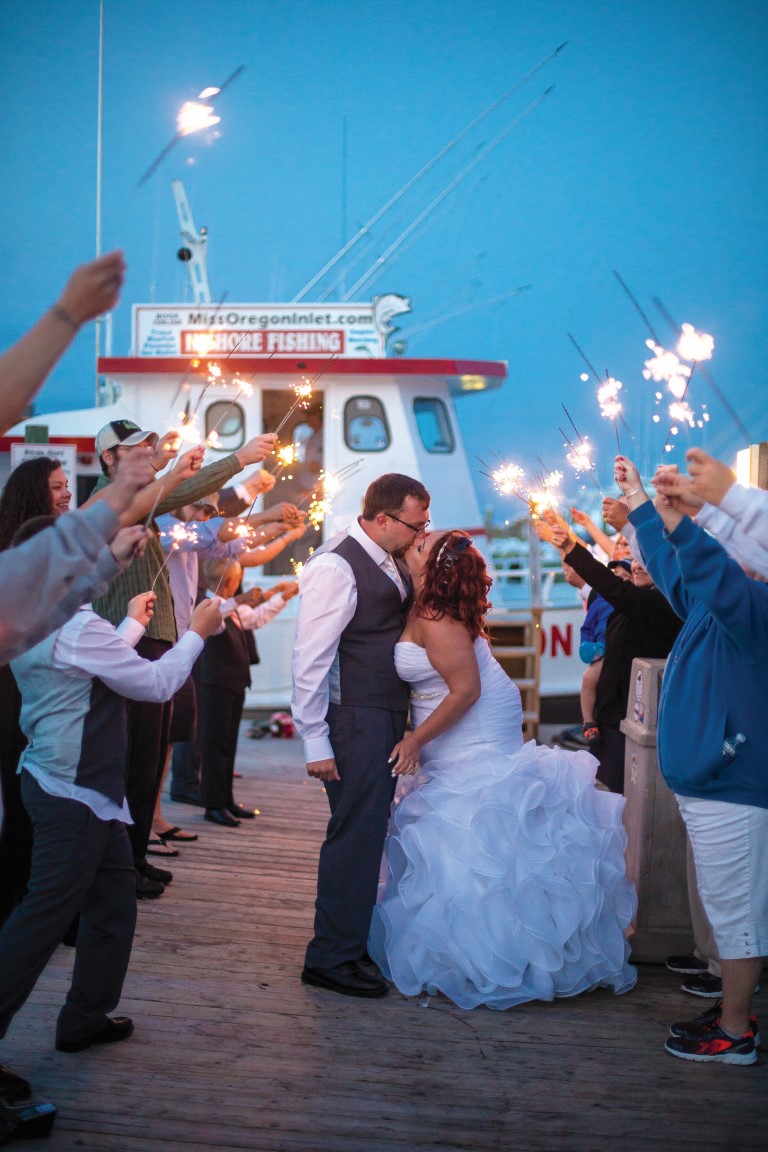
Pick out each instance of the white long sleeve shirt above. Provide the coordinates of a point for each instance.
(328, 603)
(88, 647)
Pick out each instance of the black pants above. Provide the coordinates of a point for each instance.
(148, 729)
(220, 715)
(16, 832)
(610, 753)
(80, 864)
(350, 858)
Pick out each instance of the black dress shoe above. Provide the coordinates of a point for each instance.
(150, 872)
(187, 798)
(240, 812)
(222, 816)
(147, 889)
(12, 1087)
(114, 1029)
(369, 967)
(348, 979)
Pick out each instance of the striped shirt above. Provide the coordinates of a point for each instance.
(140, 574)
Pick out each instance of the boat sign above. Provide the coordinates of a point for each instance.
(336, 330)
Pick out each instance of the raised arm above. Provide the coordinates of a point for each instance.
(91, 289)
(602, 539)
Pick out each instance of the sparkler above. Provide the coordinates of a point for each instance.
(303, 396)
(680, 408)
(507, 479)
(193, 116)
(580, 458)
(610, 405)
(546, 496)
(180, 535)
(320, 500)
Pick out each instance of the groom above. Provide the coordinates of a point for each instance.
(350, 709)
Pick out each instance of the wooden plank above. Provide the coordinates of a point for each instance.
(232, 1052)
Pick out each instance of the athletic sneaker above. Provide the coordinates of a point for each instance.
(687, 965)
(706, 985)
(714, 1045)
(692, 1029)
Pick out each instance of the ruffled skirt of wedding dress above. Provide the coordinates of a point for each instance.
(506, 881)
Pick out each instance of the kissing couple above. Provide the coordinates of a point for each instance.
(505, 865)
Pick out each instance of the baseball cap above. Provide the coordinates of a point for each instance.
(122, 432)
(627, 564)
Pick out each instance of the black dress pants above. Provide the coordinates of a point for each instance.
(148, 729)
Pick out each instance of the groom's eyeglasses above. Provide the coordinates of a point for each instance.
(413, 527)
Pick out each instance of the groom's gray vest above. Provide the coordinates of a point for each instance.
(363, 673)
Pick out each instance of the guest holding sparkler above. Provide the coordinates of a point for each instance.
(713, 748)
(642, 624)
(149, 722)
(225, 674)
(73, 687)
(186, 535)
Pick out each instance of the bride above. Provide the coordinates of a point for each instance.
(505, 868)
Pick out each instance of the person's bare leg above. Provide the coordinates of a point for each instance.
(159, 822)
(588, 692)
(740, 979)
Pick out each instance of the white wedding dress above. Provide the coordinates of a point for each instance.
(505, 873)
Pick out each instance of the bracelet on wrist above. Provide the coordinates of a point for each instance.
(635, 492)
(61, 314)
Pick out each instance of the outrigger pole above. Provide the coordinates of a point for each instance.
(381, 261)
(423, 171)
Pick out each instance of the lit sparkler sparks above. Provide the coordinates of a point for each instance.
(320, 500)
(694, 345)
(179, 534)
(303, 396)
(193, 116)
(545, 497)
(608, 398)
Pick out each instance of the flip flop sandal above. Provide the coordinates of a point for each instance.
(160, 848)
(179, 834)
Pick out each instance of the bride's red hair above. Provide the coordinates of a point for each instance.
(455, 584)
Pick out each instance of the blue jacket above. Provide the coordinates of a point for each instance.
(716, 680)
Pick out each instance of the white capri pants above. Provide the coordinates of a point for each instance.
(730, 847)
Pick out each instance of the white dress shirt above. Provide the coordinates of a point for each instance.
(87, 647)
(328, 603)
(249, 617)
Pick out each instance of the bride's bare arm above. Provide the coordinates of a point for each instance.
(451, 653)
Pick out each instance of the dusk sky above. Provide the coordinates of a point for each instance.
(648, 157)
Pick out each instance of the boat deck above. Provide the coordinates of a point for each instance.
(232, 1052)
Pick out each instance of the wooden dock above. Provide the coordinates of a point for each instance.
(232, 1052)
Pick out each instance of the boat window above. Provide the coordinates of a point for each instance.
(365, 425)
(227, 420)
(434, 424)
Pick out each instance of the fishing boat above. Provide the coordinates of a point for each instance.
(380, 413)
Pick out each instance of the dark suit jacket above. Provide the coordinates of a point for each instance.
(642, 624)
(225, 662)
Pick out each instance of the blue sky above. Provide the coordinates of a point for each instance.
(649, 157)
